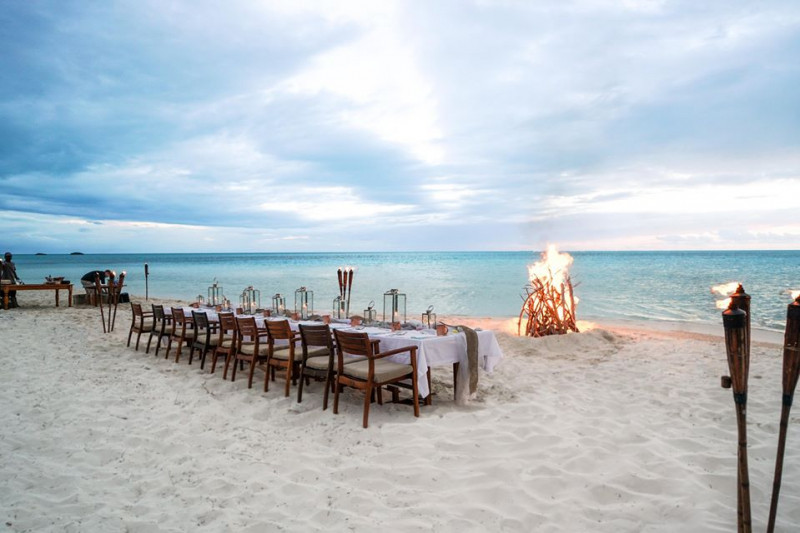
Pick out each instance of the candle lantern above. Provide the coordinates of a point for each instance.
(339, 307)
(200, 300)
(392, 300)
(429, 318)
(370, 315)
(303, 302)
(278, 304)
(250, 300)
(215, 296)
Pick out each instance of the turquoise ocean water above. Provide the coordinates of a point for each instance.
(645, 286)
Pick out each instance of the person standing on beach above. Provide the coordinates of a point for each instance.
(88, 282)
(9, 272)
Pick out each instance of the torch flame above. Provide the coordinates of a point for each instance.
(794, 293)
(724, 289)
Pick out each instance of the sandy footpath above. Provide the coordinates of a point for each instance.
(609, 430)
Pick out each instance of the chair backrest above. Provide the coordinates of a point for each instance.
(200, 319)
(279, 329)
(137, 310)
(316, 336)
(247, 327)
(178, 320)
(354, 343)
(227, 325)
(158, 312)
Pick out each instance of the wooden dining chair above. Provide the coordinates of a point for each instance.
(226, 342)
(317, 358)
(250, 348)
(204, 337)
(281, 356)
(141, 322)
(162, 327)
(181, 331)
(373, 372)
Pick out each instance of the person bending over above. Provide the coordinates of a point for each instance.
(88, 282)
(9, 272)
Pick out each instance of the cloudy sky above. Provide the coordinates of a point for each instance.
(178, 126)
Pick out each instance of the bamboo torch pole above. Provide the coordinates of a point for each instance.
(741, 300)
(349, 292)
(791, 371)
(734, 321)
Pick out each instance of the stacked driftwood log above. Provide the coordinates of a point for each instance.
(548, 307)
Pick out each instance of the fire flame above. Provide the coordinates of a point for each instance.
(552, 272)
(795, 294)
(553, 268)
(724, 289)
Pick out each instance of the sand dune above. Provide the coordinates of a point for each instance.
(609, 430)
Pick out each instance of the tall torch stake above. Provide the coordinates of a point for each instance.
(734, 321)
(741, 300)
(791, 370)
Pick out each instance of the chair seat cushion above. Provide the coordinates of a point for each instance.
(248, 348)
(384, 370)
(315, 351)
(282, 352)
(147, 325)
(318, 362)
(227, 343)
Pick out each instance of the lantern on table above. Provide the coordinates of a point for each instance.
(429, 318)
(250, 300)
(338, 309)
(278, 304)
(215, 296)
(200, 300)
(370, 315)
(303, 302)
(391, 301)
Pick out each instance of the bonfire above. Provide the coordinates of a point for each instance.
(549, 303)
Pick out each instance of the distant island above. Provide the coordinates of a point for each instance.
(40, 253)
(76, 253)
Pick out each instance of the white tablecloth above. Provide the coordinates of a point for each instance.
(432, 350)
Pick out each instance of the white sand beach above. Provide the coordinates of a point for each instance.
(613, 429)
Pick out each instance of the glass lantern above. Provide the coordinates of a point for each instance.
(278, 304)
(370, 315)
(250, 300)
(215, 296)
(304, 303)
(392, 300)
(200, 300)
(339, 308)
(429, 318)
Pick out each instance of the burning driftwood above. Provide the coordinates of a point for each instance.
(549, 304)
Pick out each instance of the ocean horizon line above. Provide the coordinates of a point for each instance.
(321, 252)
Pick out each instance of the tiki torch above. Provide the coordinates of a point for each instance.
(734, 320)
(791, 370)
(146, 288)
(349, 292)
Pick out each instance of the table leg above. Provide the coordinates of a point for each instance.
(456, 365)
(5, 299)
(429, 398)
(69, 290)
(57, 291)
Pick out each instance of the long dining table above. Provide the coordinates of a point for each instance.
(432, 350)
